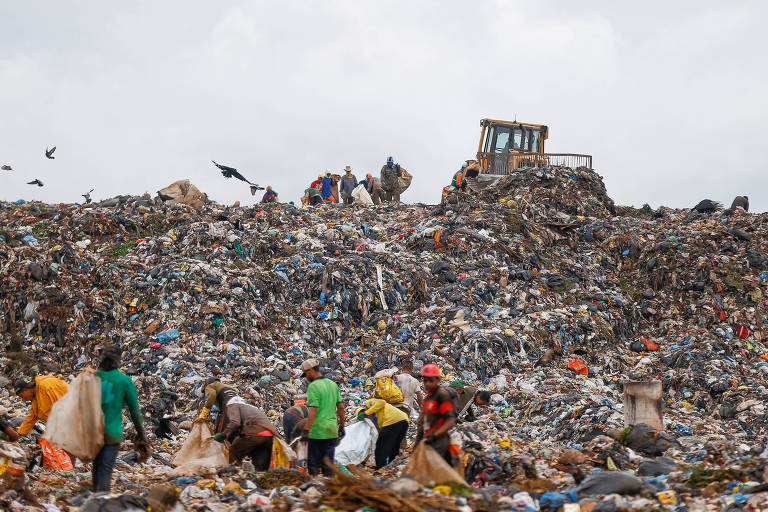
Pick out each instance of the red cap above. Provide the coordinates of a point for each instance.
(430, 370)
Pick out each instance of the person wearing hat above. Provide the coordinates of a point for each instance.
(325, 424)
(270, 196)
(438, 416)
(318, 183)
(117, 393)
(463, 398)
(294, 418)
(251, 433)
(458, 179)
(390, 173)
(392, 424)
(348, 184)
(42, 393)
(220, 395)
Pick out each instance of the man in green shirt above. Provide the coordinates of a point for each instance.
(117, 391)
(325, 424)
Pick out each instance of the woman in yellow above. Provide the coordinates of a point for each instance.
(45, 391)
(392, 424)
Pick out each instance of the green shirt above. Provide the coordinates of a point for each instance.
(324, 394)
(117, 391)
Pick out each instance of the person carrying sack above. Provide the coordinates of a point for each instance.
(117, 392)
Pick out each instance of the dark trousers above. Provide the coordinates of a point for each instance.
(315, 200)
(258, 448)
(103, 465)
(441, 446)
(388, 444)
(289, 422)
(317, 451)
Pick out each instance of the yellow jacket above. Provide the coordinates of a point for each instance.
(386, 414)
(48, 390)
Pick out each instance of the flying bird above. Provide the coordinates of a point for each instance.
(36, 182)
(87, 196)
(6, 168)
(49, 152)
(231, 172)
(255, 188)
(707, 206)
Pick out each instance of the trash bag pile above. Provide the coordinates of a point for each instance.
(534, 287)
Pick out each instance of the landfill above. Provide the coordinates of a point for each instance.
(535, 287)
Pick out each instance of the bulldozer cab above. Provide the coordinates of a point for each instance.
(509, 137)
(508, 145)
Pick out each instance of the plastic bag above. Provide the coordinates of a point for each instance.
(282, 454)
(388, 390)
(53, 457)
(428, 467)
(358, 443)
(201, 454)
(362, 196)
(76, 422)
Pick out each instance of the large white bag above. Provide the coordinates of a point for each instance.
(362, 196)
(76, 421)
(358, 443)
(200, 454)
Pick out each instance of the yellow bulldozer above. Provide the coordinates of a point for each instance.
(508, 145)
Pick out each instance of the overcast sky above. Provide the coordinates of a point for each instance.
(670, 98)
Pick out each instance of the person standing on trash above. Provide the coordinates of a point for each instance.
(251, 434)
(42, 393)
(348, 184)
(437, 415)
(318, 183)
(327, 189)
(373, 187)
(294, 418)
(389, 180)
(409, 385)
(270, 196)
(392, 424)
(117, 392)
(325, 424)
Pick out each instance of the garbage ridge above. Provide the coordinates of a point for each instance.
(535, 287)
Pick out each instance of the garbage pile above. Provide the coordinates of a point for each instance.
(531, 288)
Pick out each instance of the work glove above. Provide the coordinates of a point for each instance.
(218, 437)
(204, 413)
(144, 449)
(341, 432)
(305, 434)
(361, 415)
(430, 438)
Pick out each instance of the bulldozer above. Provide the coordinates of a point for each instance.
(508, 145)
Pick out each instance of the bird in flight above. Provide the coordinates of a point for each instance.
(36, 182)
(87, 196)
(231, 172)
(6, 168)
(49, 152)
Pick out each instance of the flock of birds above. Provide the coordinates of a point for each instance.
(226, 171)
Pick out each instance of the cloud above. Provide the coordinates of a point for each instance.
(140, 95)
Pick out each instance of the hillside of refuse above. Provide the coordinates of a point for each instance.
(538, 289)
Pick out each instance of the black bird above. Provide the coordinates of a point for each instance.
(255, 188)
(36, 182)
(707, 206)
(164, 197)
(231, 172)
(6, 168)
(49, 152)
(87, 196)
